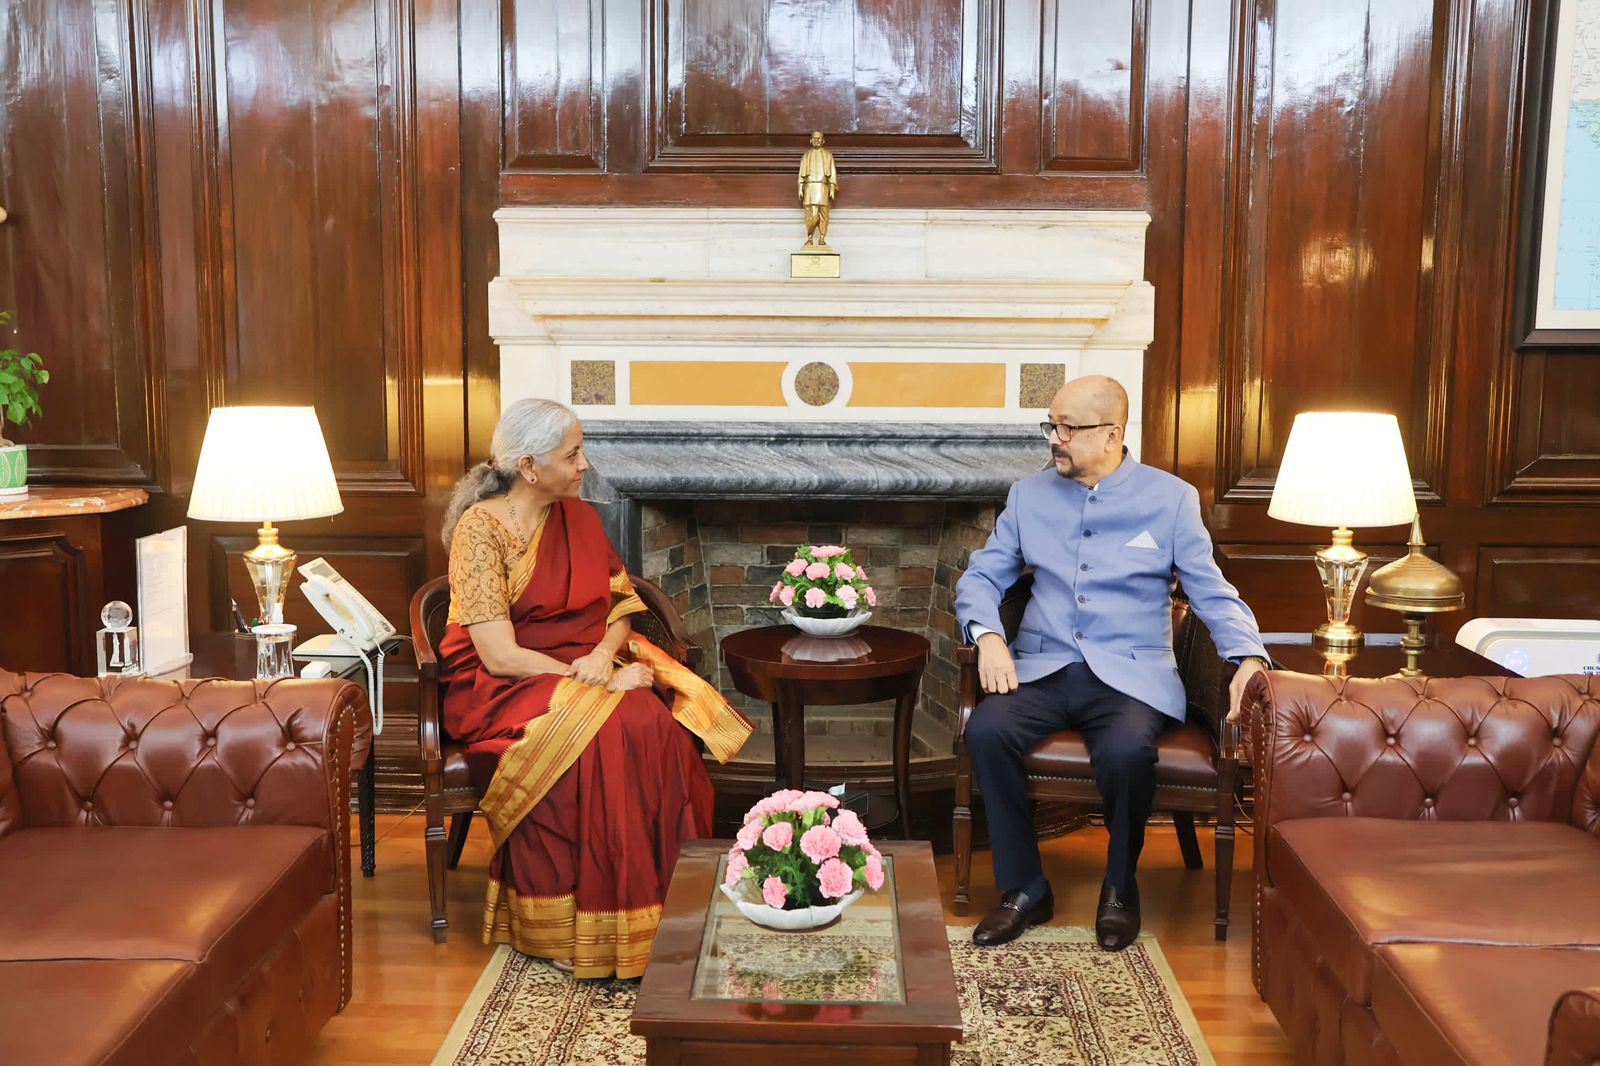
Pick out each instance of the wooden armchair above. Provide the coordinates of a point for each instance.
(447, 787)
(1195, 762)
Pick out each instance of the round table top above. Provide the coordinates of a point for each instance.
(785, 652)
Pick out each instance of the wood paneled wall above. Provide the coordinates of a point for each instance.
(226, 201)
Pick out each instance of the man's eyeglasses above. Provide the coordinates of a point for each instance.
(1064, 432)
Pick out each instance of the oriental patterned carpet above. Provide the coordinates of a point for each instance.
(1052, 997)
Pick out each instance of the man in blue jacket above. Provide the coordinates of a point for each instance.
(1105, 537)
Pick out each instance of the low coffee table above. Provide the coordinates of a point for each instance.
(875, 987)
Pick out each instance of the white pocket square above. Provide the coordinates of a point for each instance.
(1143, 540)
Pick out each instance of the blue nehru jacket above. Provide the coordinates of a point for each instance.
(1105, 562)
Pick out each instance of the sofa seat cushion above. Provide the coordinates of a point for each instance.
(1185, 756)
(1472, 1003)
(1359, 882)
(218, 898)
(108, 1011)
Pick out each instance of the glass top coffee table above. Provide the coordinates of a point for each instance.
(720, 988)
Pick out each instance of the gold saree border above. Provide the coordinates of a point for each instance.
(598, 943)
(696, 703)
(625, 600)
(550, 744)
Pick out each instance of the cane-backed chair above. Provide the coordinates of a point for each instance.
(1195, 760)
(447, 787)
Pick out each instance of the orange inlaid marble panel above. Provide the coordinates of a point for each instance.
(697, 383)
(928, 385)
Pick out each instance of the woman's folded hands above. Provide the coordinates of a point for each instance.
(594, 668)
(631, 676)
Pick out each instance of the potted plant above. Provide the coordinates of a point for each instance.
(823, 591)
(20, 378)
(799, 861)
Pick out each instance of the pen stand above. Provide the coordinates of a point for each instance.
(116, 647)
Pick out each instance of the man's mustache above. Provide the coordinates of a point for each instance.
(1060, 453)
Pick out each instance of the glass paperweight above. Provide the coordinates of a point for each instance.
(117, 645)
(274, 651)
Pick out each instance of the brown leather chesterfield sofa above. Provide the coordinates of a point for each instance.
(174, 868)
(1428, 867)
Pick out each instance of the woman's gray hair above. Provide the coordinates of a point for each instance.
(527, 427)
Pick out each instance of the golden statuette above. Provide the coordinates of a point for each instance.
(818, 185)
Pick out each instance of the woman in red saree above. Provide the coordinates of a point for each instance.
(594, 781)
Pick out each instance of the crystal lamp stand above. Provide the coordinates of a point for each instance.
(1341, 566)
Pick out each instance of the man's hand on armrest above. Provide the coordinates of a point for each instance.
(996, 671)
(1248, 668)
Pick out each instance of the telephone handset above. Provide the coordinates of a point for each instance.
(359, 625)
(362, 630)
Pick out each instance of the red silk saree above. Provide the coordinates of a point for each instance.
(590, 793)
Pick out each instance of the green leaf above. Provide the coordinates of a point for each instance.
(44, 376)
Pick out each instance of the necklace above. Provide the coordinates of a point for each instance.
(516, 521)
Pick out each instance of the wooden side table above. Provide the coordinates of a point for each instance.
(233, 656)
(791, 671)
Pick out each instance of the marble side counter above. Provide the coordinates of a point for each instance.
(55, 500)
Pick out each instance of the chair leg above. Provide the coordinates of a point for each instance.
(437, 845)
(460, 825)
(366, 801)
(961, 831)
(1187, 842)
(1224, 877)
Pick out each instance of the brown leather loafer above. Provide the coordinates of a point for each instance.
(1007, 921)
(1116, 925)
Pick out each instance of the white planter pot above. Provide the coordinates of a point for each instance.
(826, 627)
(13, 470)
(774, 918)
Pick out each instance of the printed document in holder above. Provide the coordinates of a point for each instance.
(361, 630)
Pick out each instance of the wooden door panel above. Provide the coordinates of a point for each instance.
(73, 264)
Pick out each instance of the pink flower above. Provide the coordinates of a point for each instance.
(815, 598)
(749, 834)
(847, 596)
(737, 864)
(872, 597)
(795, 568)
(861, 573)
(781, 799)
(774, 892)
(874, 872)
(844, 571)
(818, 571)
(777, 590)
(778, 835)
(835, 878)
(786, 596)
(820, 843)
(872, 852)
(810, 801)
(849, 828)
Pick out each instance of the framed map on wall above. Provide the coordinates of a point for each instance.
(1560, 262)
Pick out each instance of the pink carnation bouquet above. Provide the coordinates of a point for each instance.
(823, 580)
(798, 849)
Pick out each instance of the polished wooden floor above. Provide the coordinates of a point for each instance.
(408, 989)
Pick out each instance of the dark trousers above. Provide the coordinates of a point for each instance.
(1120, 732)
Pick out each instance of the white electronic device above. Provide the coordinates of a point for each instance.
(362, 631)
(1535, 647)
(358, 623)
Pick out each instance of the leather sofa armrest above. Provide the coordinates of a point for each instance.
(10, 802)
(1575, 1029)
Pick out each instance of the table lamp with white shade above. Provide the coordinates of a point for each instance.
(1343, 469)
(265, 464)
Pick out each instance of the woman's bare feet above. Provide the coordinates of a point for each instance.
(564, 965)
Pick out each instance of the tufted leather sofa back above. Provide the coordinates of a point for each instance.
(1469, 748)
(10, 802)
(141, 752)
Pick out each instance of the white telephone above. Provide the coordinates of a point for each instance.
(361, 628)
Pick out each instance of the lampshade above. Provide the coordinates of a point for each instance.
(1344, 468)
(263, 464)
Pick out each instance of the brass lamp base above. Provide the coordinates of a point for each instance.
(1340, 565)
(269, 565)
